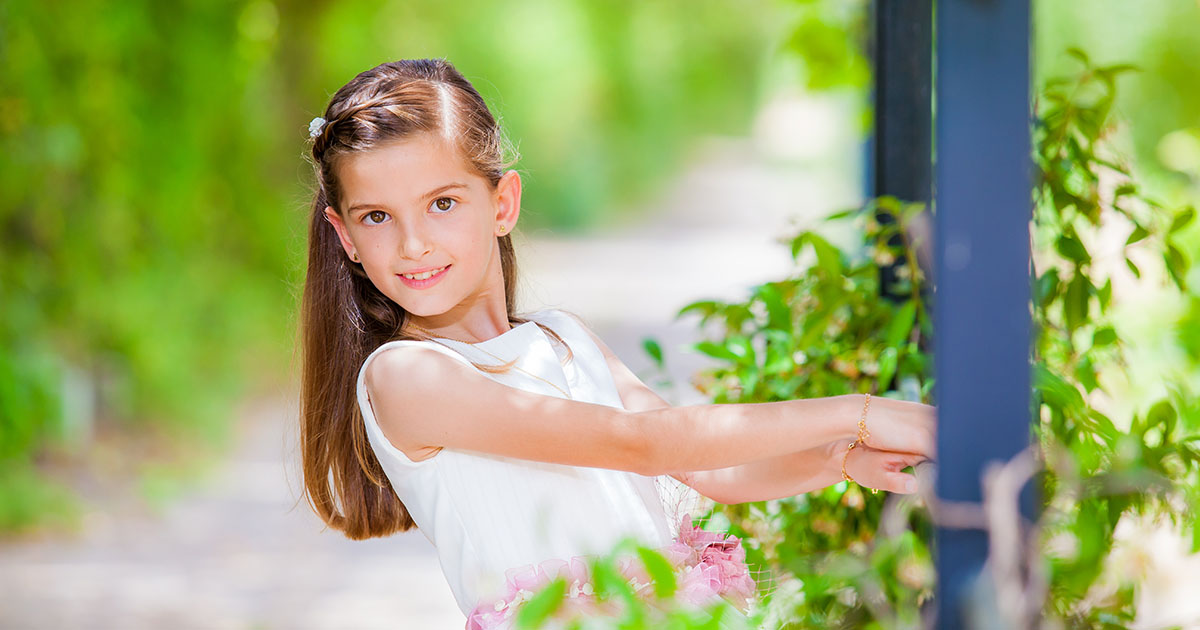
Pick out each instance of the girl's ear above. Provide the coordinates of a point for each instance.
(508, 199)
(331, 215)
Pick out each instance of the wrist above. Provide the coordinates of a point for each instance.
(850, 417)
(834, 452)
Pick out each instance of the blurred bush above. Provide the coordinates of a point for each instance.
(153, 191)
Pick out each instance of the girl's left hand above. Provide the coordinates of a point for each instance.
(873, 468)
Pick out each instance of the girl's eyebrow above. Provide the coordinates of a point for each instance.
(435, 191)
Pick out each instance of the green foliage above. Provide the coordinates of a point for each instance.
(602, 97)
(621, 603)
(535, 612)
(840, 557)
(830, 37)
(140, 245)
(827, 332)
(1099, 469)
(29, 501)
(1161, 103)
(153, 196)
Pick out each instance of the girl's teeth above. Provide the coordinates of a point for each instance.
(422, 276)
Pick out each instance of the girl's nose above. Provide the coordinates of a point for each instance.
(414, 240)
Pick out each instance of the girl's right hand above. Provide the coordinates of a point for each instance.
(901, 426)
(881, 470)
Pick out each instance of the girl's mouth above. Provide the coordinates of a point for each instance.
(427, 282)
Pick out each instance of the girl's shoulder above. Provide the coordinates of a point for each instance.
(403, 343)
(551, 316)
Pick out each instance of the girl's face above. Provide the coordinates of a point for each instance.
(415, 205)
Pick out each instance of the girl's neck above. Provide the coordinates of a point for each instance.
(468, 332)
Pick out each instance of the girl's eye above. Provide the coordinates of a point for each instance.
(372, 216)
(444, 204)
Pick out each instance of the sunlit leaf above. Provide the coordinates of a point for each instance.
(1138, 234)
(654, 350)
(1071, 248)
(533, 613)
(1104, 336)
(1182, 219)
(902, 323)
(660, 571)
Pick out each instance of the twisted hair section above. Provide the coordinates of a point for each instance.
(343, 315)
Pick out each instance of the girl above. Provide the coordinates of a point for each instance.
(518, 444)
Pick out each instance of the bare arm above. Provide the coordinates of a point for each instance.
(424, 399)
(763, 479)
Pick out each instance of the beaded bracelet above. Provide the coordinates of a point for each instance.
(863, 434)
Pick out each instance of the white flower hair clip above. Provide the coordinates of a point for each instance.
(315, 127)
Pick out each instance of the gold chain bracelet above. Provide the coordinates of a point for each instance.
(863, 434)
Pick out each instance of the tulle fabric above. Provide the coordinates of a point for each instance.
(708, 566)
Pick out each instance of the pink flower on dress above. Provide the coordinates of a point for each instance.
(707, 565)
(521, 583)
(725, 555)
(701, 585)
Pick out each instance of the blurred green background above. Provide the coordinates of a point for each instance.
(153, 190)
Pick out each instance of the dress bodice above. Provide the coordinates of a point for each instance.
(486, 513)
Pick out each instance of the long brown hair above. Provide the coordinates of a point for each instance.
(344, 317)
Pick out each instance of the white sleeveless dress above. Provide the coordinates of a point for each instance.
(486, 513)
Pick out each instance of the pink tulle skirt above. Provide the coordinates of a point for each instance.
(708, 566)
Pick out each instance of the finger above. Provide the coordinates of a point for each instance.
(895, 460)
(901, 483)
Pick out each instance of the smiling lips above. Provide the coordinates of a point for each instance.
(423, 279)
(425, 274)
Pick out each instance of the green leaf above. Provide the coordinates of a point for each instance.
(779, 351)
(748, 378)
(608, 582)
(902, 323)
(779, 316)
(1105, 294)
(798, 243)
(1115, 69)
(1047, 287)
(1085, 372)
(1075, 304)
(1104, 336)
(1079, 54)
(829, 257)
(534, 613)
(1162, 413)
(654, 350)
(1182, 219)
(1132, 267)
(1138, 234)
(1124, 190)
(707, 308)
(841, 214)
(717, 351)
(1104, 426)
(660, 571)
(1056, 391)
(743, 348)
(1177, 266)
(1070, 247)
(887, 365)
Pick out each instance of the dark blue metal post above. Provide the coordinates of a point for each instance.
(902, 153)
(982, 318)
